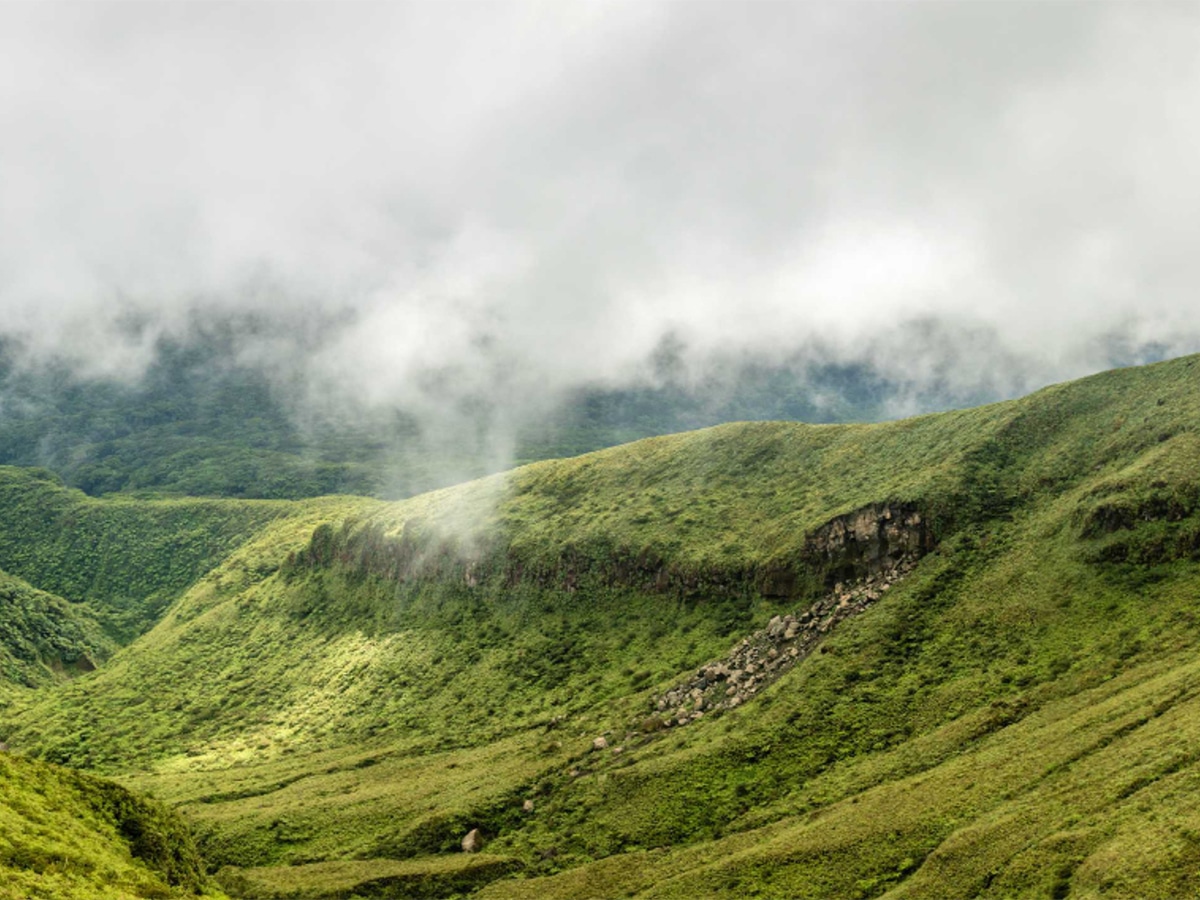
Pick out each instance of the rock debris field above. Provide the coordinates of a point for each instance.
(758, 660)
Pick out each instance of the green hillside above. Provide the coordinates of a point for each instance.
(44, 637)
(346, 687)
(125, 561)
(67, 836)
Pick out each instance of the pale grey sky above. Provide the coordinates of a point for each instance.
(524, 197)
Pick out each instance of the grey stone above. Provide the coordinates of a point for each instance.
(473, 842)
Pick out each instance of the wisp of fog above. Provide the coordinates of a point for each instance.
(446, 205)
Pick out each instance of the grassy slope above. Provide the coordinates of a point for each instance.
(958, 746)
(126, 560)
(412, 879)
(67, 836)
(728, 497)
(1027, 689)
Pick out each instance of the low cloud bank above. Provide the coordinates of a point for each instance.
(470, 212)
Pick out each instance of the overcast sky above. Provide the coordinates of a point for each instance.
(526, 195)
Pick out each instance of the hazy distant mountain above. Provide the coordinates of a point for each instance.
(203, 420)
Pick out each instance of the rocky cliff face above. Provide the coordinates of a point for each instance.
(867, 542)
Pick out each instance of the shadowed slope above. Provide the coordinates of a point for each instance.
(127, 560)
(43, 637)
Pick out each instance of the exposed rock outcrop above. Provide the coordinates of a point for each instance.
(758, 660)
(868, 542)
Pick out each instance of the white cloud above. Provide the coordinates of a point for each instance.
(524, 197)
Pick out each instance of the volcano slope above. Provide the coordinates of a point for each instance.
(997, 695)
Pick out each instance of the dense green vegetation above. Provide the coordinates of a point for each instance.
(123, 561)
(414, 880)
(348, 686)
(43, 637)
(68, 836)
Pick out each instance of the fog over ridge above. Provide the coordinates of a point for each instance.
(498, 203)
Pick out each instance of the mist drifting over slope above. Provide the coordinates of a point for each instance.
(444, 208)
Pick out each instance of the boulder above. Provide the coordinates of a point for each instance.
(600, 743)
(473, 842)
